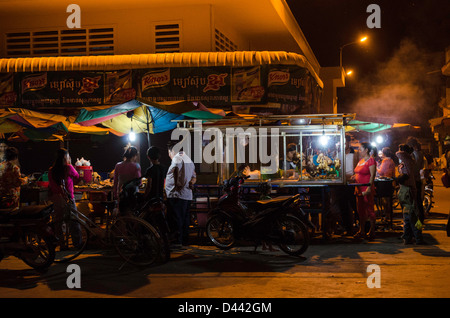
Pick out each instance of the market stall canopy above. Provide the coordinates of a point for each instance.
(366, 126)
(190, 109)
(371, 127)
(92, 130)
(27, 124)
(6, 125)
(404, 126)
(38, 120)
(145, 118)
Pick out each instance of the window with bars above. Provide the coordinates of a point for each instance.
(223, 43)
(68, 42)
(167, 38)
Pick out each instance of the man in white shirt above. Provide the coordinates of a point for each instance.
(180, 181)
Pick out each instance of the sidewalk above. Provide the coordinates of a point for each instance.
(337, 268)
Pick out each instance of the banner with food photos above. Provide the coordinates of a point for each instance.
(61, 89)
(210, 85)
(8, 90)
(280, 88)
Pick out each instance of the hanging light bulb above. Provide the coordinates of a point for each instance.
(131, 135)
(379, 139)
(324, 140)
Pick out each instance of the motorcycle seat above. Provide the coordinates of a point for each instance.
(274, 201)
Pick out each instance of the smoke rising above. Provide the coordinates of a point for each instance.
(403, 89)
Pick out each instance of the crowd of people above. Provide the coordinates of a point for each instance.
(410, 175)
(175, 183)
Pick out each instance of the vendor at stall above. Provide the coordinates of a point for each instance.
(10, 179)
(292, 158)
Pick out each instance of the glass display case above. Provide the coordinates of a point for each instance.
(285, 150)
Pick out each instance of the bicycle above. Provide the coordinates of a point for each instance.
(135, 240)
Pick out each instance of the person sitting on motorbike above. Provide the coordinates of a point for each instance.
(10, 179)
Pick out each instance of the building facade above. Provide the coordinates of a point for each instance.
(43, 28)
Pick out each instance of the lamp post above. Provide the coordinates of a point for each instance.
(340, 49)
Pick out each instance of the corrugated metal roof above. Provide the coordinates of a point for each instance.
(134, 61)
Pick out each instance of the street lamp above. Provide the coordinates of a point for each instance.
(363, 39)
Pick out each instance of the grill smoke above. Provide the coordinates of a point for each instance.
(404, 89)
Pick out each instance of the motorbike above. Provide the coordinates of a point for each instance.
(153, 210)
(25, 234)
(273, 220)
(428, 193)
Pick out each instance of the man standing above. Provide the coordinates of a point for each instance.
(155, 175)
(419, 160)
(180, 180)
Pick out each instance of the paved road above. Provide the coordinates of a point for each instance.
(326, 270)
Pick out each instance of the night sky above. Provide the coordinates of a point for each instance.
(397, 69)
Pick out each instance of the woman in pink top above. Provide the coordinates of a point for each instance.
(387, 166)
(365, 173)
(62, 170)
(63, 175)
(126, 170)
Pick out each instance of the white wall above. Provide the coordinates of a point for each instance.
(134, 27)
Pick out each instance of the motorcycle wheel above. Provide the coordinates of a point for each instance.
(293, 235)
(427, 203)
(39, 251)
(65, 249)
(219, 229)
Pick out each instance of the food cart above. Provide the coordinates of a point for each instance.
(316, 160)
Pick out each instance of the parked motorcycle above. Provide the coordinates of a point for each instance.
(428, 194)
(153, 211)
(272, 220)
(25, 234)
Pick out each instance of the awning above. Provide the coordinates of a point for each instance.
(28, 124)
(137, 61)
(366, 126)
(145, 118)
(36, 120)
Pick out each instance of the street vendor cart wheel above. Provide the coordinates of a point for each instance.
(219, 229)
(39, 251)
